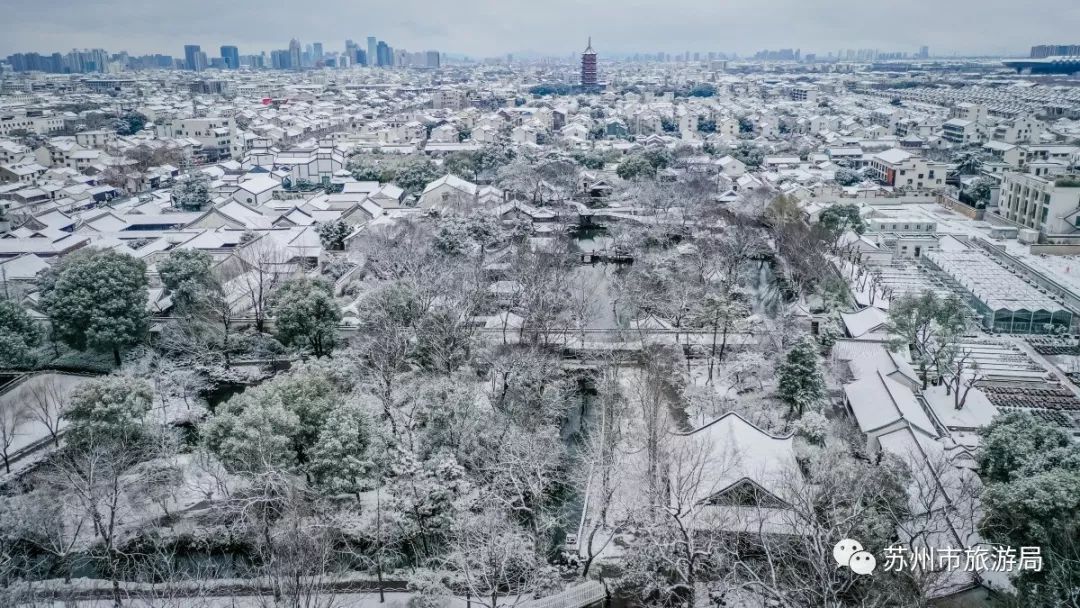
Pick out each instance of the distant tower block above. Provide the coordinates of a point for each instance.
(588, 68)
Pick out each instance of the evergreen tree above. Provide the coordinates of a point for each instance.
(97, 299)
(635, 167)
(307, 315)
(840, 218)
(193, 193)
(339, 460)
(112, 409)
(1031, 498)
(332, 234)
(801, 384)
(186, 273)
(18, 334)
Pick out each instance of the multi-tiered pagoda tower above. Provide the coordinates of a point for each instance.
(588, 68)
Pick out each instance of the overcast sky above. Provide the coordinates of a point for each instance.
(557, 27)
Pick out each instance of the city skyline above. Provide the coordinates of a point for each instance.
(483, 30)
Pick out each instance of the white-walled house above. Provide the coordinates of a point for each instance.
(256, 189)
(731, 166)
(447, 190)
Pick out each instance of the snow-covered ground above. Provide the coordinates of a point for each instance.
(394, 599)
(38, 386)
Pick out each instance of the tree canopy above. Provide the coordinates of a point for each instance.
(332, 234)
(307, 315)
(185, 273)
(416, 174)
(1031, 471)
(192, 193)
(636, 167)
(96, 299)
(801, 382)
(18, 334)
(838, 219)
(111, 409)
(281, 424)
(928, 325)
(130, 123)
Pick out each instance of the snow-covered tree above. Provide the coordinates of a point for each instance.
(416, 174)
(276, 425)
(847, 177)
(929, 327)
(111, 408)
(97, 299)
(340, 462)
(13, 419)
(812, 426)
(720, 312)
(47, 403)
(185, 273)
(192, 193)
(332, 234)
(801, 383)
(306, 315)
(18, 334)
(495, 562)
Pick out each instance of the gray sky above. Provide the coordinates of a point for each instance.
(496, 27)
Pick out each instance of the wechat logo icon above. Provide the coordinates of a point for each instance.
(850, 554)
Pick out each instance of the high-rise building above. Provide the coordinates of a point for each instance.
(588, 67)
(231, 55)
(294, 54)
(372, 51)
(431, 59)
(924, 52)
(351, 49)
(317, 51)
(191, 58)
(279, 60)
(384, 55)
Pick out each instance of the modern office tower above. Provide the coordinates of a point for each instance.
(351, 52)
(191, 57)
(231, 55)
(294, 54)
(384, 55)
(317, 51)
(372, 51)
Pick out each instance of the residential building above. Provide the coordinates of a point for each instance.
(95, 139)
(961, 132)
(902, 169)
(213, 134)
(1048, 203)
